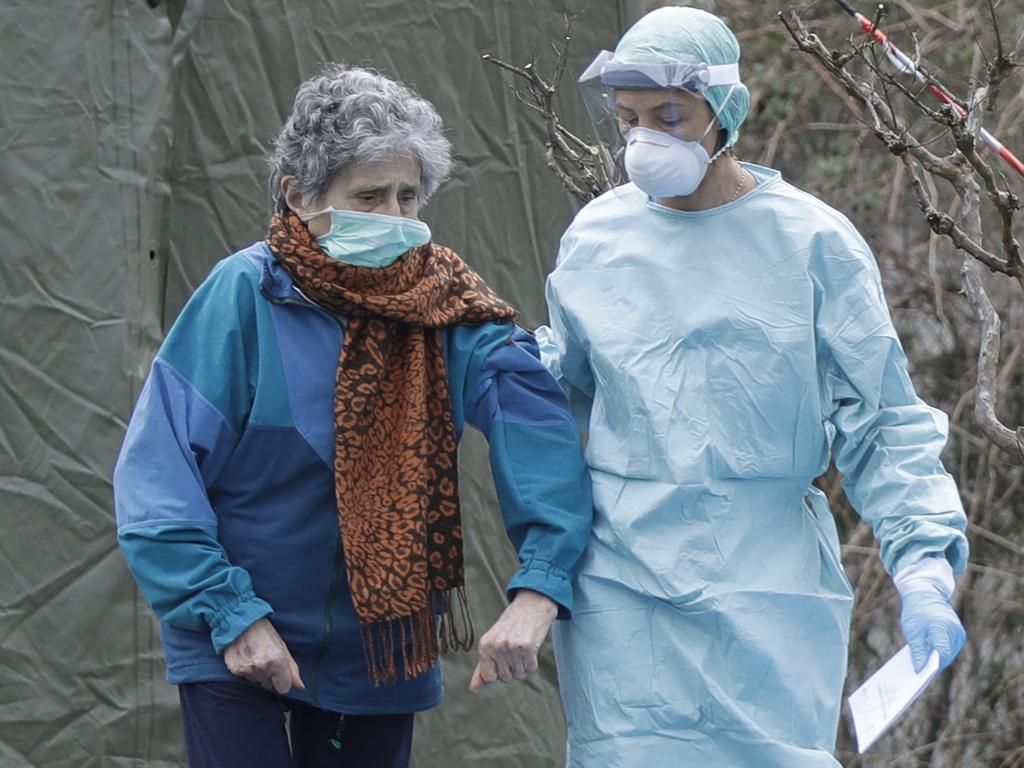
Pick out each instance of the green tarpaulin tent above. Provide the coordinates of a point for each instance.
(132, 142)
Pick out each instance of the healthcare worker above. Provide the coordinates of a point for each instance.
(722, 334)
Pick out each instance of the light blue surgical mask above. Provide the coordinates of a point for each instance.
(371, 240)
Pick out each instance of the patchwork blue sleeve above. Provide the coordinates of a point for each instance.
(176, 444)
(542, 481)
(887, 441)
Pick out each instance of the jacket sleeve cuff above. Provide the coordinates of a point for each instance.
(236, 617)
(547, 579)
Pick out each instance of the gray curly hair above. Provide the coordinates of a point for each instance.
(353, 116)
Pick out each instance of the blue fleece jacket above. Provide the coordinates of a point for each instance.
(224, 487)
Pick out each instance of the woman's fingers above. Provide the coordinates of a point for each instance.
(296, 677)
(508, 650)
(260, 656)
(281, 678)
(519, 667)
(484, 674)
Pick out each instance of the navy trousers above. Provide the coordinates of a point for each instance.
(235, 725)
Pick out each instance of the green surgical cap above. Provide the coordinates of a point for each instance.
(675, 34)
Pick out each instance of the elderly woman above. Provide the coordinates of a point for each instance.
(287, 494)
(723, 335)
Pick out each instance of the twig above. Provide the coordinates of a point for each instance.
(957, 169)
(943, 224)
(1011, 442)
(585, 169)
(995, 538)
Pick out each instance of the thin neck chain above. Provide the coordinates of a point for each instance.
(736, 192)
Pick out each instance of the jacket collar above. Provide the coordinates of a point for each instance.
(275, 282)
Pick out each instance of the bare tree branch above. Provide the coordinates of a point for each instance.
(1003, 65)
(1010, 442)
(961, 170)
(585, 169)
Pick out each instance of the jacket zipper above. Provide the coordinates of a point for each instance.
(332, 595)
(332, 590)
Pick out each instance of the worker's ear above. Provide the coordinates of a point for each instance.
(723, 138)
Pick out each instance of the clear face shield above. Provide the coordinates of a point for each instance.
(651, 114)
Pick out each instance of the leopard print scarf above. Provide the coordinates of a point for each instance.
(395, 461)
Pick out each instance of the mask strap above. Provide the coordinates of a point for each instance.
(717, 113)
(306, 217)
(718, 154)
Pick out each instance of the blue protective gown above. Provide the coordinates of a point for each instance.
(717, 359)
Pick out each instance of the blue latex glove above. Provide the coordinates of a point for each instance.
(930, 623)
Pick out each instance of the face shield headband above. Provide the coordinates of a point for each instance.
(690, 75)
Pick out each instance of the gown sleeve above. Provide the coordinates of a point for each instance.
(563, 353)
(886, 440)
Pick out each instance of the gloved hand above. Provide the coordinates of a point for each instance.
(928, 621)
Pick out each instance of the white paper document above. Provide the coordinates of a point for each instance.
(886, 695)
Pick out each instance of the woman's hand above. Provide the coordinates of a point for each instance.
(260, 656)
(930, 624)
(508, 650)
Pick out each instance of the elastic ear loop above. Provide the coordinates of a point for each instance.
(714, 119)
(307, 217)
